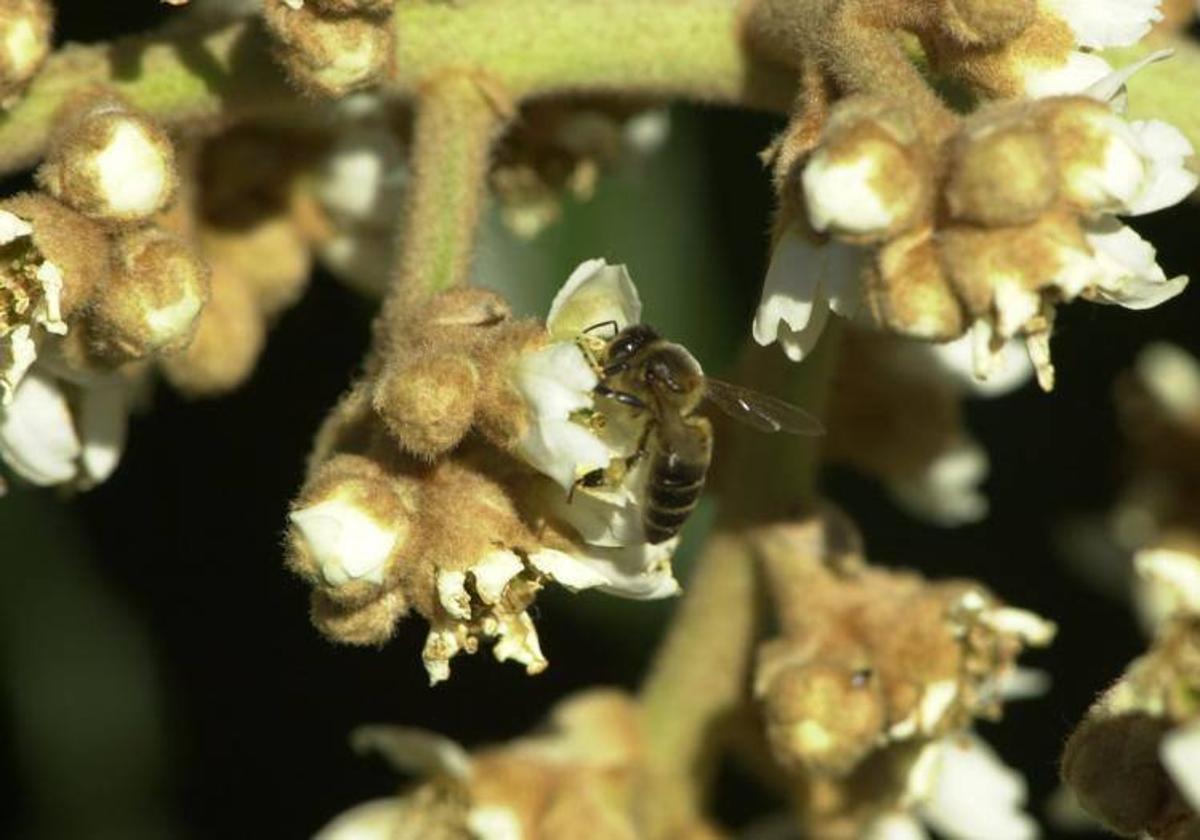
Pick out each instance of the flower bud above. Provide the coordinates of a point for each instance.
(329, 56)
(864, 181)
(348, 7)
(1001, 175)
(1101, 167)
(908, 293)
(353, 624)
(25, 30)
(428, 404)
(229, 337)
(349, 526)
(154, 299)
(271, 256)
(110, 163)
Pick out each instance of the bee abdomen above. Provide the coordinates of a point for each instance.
(672, 494)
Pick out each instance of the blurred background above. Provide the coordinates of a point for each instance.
(158, 674)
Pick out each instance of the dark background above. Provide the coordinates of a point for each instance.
(160, 675)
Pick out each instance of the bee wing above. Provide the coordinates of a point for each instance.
(759, 411)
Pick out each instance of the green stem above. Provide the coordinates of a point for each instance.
(456, 123)
(529, 48)
(701, 674)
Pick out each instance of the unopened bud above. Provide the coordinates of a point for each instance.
(907, 293)
(1101, 167)
(865, 180)
(271, 255)
(25, 36)
(110, 163)
(1001, 175)
(428, 404)
(153, 301)
(229, 337)
(822, 718)
(349, 527)
(329, 56)
(371, 623)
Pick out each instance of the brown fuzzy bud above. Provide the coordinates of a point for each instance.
(428, 404)
(352, 7)
(329, 56)
(25, 39)
(154, 299)
(227, 343)
(350, 527)
(1001, 175)
(110, 162)
(369, 624)
(907, 292)
(77, 246)
(985, 23)
(823, 717)
(271, 256)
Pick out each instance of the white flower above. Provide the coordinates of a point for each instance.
(48, 440)
(1180, 755)
(377, 819)
(960, 788)
(642, 572)
(557, 380)
(30, 300)
(947, 491)
(805, 281)
(1097, 24)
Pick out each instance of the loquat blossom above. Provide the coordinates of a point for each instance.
(1033, 192)
(30, 303)
(379, 528)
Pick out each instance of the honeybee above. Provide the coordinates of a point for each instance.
(644, 372)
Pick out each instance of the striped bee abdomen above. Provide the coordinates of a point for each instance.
(674, 485)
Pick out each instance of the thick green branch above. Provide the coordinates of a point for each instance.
(701, 674)
(455, 125)
(648, 48)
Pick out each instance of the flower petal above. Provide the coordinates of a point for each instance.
(37, 432)
(1168, 181)
(103, 422)
(1180, 755)
(595, 293)
(376, 819)
(1107, 23)
(974, 795)
(641, 572)
(418, 752)
(1110, 87)
(1081, 72)
(1128, 274)
(947, 491)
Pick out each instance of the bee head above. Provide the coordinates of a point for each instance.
(626, 344)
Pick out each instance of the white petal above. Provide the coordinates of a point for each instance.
(364, 174)
(377, 819)
(103, 420)
(1029, 627)
(347, 542)
(1110, 86)
(1107, 23)
(1180, 754)
(641, 572)
(555, 382)
(18, 352)
(493, 573)
(517, 641)
(975, 796)
(953, 362)
(595, 293)
(895, 827)
(1079, 73)
(417, 752)
(37, 433)
(1021, 684)
(1172, 376)
(1168, 181)
(1177, 572)
(1128, 273)
(452, 593)
(1015, 305)
(841, 197)
(947, 491)
(12, 227)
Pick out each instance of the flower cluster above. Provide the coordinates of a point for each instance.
(95, 285)
(931, 228)
(447, 481)
(878, 675)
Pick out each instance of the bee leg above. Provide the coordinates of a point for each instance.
(642, 447)
(623, 397)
